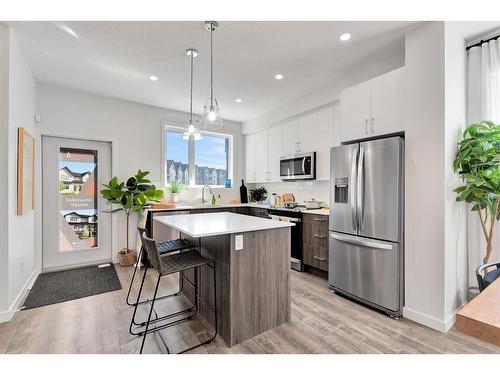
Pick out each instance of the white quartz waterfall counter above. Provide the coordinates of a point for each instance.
(218, 223)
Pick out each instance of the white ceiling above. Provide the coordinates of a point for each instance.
(116, 58)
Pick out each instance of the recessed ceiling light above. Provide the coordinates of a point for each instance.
(345, 37)
(239, 100)
(278, 76)
(153, 78)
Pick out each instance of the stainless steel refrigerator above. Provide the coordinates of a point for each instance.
(366, 252)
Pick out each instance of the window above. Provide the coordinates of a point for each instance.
(197, 163)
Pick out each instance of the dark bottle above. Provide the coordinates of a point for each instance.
(243, 192)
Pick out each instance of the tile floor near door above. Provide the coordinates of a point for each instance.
(322, 322)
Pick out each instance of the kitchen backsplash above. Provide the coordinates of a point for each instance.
(303, 190)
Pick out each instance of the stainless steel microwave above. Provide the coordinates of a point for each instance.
(298, 166)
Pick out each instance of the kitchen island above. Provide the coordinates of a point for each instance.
(252, 265)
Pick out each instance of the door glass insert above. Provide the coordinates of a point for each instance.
(77, 199)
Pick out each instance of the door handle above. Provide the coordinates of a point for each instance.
(372, 127)
(361, 241)
(319, 236)
(366, 126)
(360, 189)
(353, 196)
(304, 165)
(316, 219)
(319, 258)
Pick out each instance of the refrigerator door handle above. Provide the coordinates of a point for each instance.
(353, 196)
(360, 189)
(362, 241)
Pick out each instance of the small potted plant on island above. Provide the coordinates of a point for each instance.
(175, 188)
(133, 196)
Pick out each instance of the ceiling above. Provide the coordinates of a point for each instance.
(116, 58)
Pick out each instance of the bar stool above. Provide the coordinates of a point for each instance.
(164, 248)
(166, 265)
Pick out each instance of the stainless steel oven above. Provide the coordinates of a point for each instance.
(296, 234)
(298, 166)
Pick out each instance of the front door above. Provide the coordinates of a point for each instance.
(75, 231)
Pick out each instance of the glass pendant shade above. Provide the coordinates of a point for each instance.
(211, 115)
(190, 130)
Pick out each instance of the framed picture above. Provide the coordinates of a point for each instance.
(25, 172)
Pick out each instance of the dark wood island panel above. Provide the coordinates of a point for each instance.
(253, 284)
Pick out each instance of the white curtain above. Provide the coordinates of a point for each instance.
(483, 103)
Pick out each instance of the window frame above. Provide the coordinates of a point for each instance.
(192, 156)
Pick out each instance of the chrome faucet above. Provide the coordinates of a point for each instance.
(203, 200)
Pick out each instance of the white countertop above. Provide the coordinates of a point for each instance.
(217, 223)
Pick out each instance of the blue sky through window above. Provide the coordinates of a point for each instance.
(210, 151)
(177, 148)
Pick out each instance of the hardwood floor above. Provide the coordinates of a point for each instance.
(321, 322)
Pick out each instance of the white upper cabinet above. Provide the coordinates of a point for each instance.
(290, 134)
(262, 157)
(275, 151)
(261, 151)
(387, 103)
(355, 104)
(327, 137)
(306, 135)
(373, 108)
(250, 158)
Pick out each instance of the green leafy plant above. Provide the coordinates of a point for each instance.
(258, 194)
(478, 164)
(175, 187)
(132, 196)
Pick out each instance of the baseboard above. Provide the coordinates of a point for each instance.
(428, 321)
(6, 316)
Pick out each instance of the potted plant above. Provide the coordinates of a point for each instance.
(175, 188)
(131, 196)
(478, 164)
(258, 194)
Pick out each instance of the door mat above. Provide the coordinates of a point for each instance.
(62, 286)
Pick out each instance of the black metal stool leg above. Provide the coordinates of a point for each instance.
(150, 312)
(133, 277)
(132, 321)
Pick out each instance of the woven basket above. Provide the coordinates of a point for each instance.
(127, 257)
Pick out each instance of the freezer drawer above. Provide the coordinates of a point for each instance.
(366, 269)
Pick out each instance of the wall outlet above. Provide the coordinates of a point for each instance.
(238, 242)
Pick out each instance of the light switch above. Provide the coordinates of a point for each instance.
(238, 242)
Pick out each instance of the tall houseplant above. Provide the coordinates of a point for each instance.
(478, 164)
(131, 196)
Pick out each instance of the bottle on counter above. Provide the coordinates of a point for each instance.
(273, 199)
(243, 192)
(214, 201)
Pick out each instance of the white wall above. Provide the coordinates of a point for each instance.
(4, 157)
(425, 175)
(21, 228)
(136, 133)
(17, 103)
(455, 281)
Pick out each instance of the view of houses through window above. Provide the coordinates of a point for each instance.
(211, 158)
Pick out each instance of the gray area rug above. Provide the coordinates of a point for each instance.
(61, 286)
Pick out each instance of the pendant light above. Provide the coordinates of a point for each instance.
(211, 115)
(190, 131)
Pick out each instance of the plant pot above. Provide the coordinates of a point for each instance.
(175, 197)
(127, 257)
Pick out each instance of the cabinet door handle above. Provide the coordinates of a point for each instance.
(373, 126)
(319, 258)
(366, 126)
(299, 142)
(316, 219)
(319, 236)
